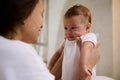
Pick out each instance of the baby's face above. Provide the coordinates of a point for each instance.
(74, 27)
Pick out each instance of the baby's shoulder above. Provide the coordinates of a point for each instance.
(89, 37)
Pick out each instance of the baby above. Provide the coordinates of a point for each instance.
(77, 24)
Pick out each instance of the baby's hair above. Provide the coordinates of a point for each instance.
(79, 10)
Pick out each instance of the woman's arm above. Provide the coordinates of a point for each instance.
(55, 57)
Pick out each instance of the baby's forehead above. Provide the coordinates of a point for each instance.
(75, 20)
(75, 17)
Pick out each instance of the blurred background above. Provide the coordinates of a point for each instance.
(105, 22)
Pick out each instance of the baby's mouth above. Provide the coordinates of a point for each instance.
(71, 38)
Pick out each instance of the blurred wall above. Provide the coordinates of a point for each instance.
(116, 38)
(54, 19)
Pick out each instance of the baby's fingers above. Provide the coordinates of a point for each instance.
(78, 40)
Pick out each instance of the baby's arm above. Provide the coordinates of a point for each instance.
(85, 54)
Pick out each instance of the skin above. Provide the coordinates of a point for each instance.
(75, 27)
(29, 32)
(93, 59)
(55, 57)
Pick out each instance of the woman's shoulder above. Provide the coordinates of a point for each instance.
(15, 48)
(17, 51)
(14, 44)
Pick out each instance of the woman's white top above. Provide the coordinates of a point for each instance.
(20, 61)
(71, 57)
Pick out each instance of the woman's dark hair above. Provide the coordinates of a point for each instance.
(79, 10)
(14, 12)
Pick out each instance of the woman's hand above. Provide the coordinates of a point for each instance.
(55, 57)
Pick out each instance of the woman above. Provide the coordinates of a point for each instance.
(21, 21)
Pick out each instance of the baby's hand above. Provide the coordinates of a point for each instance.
(79, 42)
(84, 74)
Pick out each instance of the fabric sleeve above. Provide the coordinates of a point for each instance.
(89, 37)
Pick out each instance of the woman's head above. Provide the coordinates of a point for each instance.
(77, 21)
(20, 19)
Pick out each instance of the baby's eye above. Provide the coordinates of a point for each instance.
(65, 28)
(73, 28)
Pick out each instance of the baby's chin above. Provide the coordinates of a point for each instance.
(71, 39)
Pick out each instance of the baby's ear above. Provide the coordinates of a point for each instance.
(88, 26)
